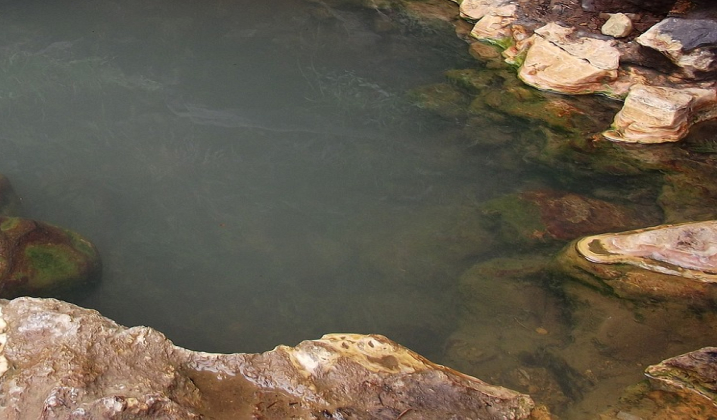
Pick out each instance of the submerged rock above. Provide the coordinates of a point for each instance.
(61, 361)
(669, 261)
(541, 216)
(40, 259)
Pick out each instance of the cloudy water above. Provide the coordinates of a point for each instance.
(258, 173)
(251, 172)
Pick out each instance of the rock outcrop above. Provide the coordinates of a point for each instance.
(665, 99)
(61, 361)
(671, 261)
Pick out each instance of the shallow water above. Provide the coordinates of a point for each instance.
(253, 175)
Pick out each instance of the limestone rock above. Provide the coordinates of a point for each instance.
(61, 361)
(669, 261)
(661, 114)
(689, 43)
(474, 10)
(495, 26)
(618, 25)
(559, 61)
(694, 372)
(39, 259)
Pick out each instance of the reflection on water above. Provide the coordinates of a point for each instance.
(253, 175)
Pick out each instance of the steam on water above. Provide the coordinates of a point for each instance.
(249, 171)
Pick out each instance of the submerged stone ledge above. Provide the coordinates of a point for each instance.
(667, 262)
(58, 360)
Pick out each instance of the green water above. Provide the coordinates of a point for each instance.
(255, 174)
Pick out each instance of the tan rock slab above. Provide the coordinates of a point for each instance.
(686, 250)
(60, 361)
(558, 61)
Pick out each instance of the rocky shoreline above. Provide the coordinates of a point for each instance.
(58, 360)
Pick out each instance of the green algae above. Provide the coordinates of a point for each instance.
(515, 220)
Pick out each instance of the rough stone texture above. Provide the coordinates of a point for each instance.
(558, 61)
(60, 361)
(39, 259)
(495, 25)
(618, 25)
(474, 10)
(694, 372)
(689, 43)
(674, 262)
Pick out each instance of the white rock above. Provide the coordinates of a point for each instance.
(618, 26)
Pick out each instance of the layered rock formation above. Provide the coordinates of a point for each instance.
(61, 361)
(664, 99)
(678, 262)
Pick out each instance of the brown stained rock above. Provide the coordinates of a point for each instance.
(60, 361)
(40, 259)
(569, 216)
(694, 372)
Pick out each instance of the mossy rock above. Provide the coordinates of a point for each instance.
(544, 216)
(39, 259)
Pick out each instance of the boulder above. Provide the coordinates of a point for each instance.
(677, 262)
(40, 259)
(689, 43)
(694, 372)
(58, 360)
(619, 25)
(558, 60)
(661, 114)
(495, 26)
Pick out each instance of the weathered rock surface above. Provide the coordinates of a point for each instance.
(694, 372)
(689, 43)
(670, 261)
(559, 61)
(40, 259)
(618, 25)
(61, 361)
(661, 114)
(681, 387)
(669, 94)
